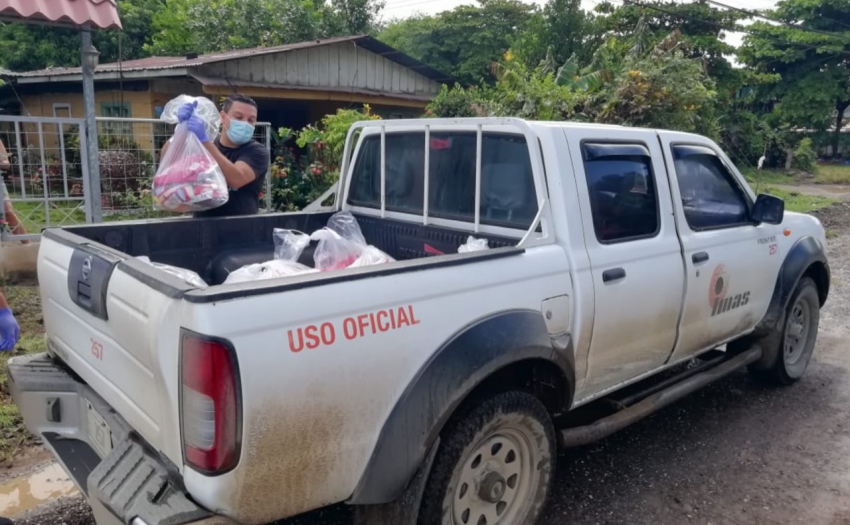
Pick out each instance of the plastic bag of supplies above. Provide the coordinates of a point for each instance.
(188, 178)
(187, 275)
(267, 270)
(342, 245)
(474, 245)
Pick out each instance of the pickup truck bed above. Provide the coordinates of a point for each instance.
(215, 247)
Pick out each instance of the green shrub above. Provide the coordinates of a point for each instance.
(805, 157)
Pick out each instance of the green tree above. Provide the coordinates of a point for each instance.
(809, 56)
(206, 26)
(562, 29)
(701, 24)
(25, 47)
(464, 42)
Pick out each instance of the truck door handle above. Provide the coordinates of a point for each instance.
(699, 257)
(614, 274)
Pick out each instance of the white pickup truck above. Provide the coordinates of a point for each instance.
(627, 268)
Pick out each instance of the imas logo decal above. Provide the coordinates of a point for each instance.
(718, 293)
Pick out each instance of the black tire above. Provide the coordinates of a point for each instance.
(793, 343)
(496, 459)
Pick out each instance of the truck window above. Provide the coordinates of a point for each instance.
(507, 185)
(621, 184)
(710, 196)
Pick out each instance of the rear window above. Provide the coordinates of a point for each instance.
(507, 185)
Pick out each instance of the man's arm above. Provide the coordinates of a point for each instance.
(236, 174)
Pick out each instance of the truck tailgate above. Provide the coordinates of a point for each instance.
(107, 325)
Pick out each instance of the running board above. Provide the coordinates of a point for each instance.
(578, 436)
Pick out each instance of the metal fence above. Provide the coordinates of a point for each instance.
(43, 174)
(47, 166)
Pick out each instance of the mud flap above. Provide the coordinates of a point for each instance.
(131, 484)
(404, 510)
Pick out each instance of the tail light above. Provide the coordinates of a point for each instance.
(209, 404)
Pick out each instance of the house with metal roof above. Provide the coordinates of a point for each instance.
(294, 85)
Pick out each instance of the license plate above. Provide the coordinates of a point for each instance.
(100, 437)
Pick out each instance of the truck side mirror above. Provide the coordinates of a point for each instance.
(768, 209)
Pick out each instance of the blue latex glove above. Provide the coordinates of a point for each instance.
(186, 111)
(10, 332)
(186, 115)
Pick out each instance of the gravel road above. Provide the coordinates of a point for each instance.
(734, 453)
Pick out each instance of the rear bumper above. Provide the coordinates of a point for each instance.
(131, 484)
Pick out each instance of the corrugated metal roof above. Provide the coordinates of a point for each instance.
(161, 63)
(223, 82)
(78, 13)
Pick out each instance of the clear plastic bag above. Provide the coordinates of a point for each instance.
(205, 110)
(333, 251)
(342, 245)
(188, 178)
(187, 275)
(370, 256)
(345, 224)
(289, 244)
(474, 245)
(267, 270)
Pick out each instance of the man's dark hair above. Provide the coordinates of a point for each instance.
(237, 97)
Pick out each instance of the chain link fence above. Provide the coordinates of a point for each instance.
(45, 172)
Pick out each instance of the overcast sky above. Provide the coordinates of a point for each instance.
(406, 8)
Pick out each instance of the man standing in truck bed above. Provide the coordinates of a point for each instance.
(243, 160)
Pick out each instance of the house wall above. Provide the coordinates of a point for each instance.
(139, 103)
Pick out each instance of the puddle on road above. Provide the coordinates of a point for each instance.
(28, 492)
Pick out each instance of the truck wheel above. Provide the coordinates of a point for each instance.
(494, 466)
(799, 331)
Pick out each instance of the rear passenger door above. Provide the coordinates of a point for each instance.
(731, 260)
(634, 251)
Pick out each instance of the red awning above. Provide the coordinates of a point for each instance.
(75, 13)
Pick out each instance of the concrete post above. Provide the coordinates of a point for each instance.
(88, 59)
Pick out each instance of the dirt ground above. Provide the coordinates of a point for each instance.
(736, 453)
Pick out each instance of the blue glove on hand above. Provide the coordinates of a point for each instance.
(186, 111)
(10, 332)
(186, 115)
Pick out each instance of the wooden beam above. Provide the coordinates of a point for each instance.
(305, 94)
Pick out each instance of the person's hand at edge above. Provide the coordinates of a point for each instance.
(10, 331)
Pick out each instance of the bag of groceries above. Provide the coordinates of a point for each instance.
(188, 178)
(342, 245)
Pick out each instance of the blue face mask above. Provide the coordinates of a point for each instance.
(240, 132)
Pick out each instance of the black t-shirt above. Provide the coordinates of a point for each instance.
(245, 200)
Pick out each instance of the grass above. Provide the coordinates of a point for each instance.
(26, 304)
(800, 202)
(824, 174)
(832, 174)
(67, 213)
(62, 213)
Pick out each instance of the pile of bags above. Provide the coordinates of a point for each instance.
(189, 179)
(341, 245)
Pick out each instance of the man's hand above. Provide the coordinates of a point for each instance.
(186, 115)
(10, 332)
(186, 111)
